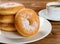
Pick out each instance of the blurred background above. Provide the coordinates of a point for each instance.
(34, 4)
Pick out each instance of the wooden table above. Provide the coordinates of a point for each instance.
(54, 36)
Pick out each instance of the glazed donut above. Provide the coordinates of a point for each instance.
(8, 27)
(27, 22)
(7, 18)
(10, 8)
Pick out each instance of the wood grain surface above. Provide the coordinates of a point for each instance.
(37, 5)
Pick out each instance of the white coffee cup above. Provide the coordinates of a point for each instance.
(53, 9)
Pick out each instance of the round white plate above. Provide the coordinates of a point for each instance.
(45, 29)
(43, 13)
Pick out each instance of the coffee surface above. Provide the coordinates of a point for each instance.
(54, 5)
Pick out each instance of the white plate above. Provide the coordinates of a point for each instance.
(45, 29)
(43, 13)
(11, 35)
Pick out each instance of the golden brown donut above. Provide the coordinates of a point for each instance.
(27, 22)
(7, 18)
(10, 8)
(8, 27)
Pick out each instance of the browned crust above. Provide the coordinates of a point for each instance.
(8, 27)
(19, 26)
(10, 11)
(7, 19)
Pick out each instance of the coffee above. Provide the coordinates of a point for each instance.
(54, 5)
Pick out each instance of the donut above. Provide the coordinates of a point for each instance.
(7, 27)
(10, 8)
(7, 18)
(27, 22)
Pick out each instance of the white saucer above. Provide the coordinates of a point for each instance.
(43, 13)
(45, 29)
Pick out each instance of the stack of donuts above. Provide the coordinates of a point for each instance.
(7, 15)
(15, 17)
